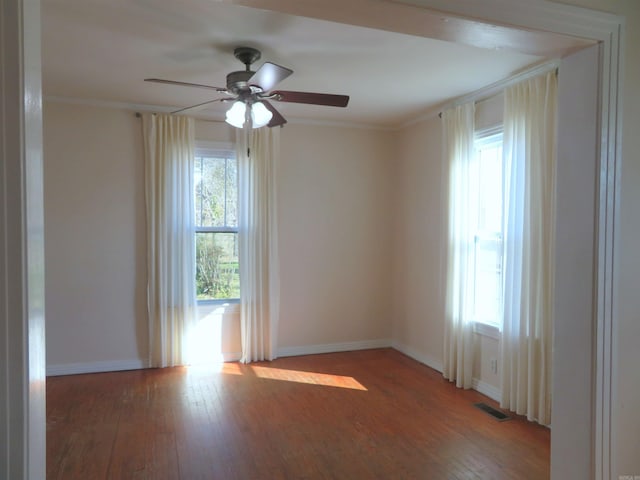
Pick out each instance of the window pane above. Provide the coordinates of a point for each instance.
(232, 193)
(490, 181)
(215, 191)
(217, 273)
(487, 267)
(488, 279)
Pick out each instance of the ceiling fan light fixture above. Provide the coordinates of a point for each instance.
(260, 115)
(252, 90)
(236, 115)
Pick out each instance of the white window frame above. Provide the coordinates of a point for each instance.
(215, 149)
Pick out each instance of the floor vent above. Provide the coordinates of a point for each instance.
(495, 413)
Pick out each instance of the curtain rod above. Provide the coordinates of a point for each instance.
(496, 88)
(139, 115)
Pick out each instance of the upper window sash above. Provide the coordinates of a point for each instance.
(215, 192)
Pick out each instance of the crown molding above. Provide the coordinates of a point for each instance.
(215, 117)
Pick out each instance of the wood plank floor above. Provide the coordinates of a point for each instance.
(372, 414)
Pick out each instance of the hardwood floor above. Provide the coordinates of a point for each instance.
(372, 414)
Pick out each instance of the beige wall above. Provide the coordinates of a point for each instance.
(419, 243)
(334, 238)
(334, 216)
(95, 234)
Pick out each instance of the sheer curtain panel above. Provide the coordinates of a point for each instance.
(529, 160)
(458, 126)
(171, 300)
(257, 152)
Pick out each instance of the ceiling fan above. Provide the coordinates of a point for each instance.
(251, 93)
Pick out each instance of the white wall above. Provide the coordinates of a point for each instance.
(214, 132)
(489, 112)
(576, 214)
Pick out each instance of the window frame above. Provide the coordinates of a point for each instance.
(214, 149)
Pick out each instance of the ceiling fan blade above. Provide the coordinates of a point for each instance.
(199, 105)
(185, 84)
(311, 98)
(277, 120)
(269, 75)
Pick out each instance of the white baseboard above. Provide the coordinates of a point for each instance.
(231, 357)
(333, 347)
(114, 366)
(94, 367)
(419, 356)
(484, 388)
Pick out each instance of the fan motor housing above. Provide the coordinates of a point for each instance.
(237, 82)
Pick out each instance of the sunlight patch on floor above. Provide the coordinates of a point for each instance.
(231, 368)
(271, 373)
(311, 378)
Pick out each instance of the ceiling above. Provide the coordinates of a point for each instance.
(101, 50)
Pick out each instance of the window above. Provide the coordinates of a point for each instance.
(487, 268)
(216, 237)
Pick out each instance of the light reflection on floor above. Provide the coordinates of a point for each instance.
(312, 378)
(281, 374)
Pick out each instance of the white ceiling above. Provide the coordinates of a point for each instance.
(101, 50)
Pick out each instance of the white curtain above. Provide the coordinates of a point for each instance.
(171, 300)
(529, 160)
(257, 152)
(458, 126)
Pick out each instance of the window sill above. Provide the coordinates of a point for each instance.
(486, 330)
(222, 301)
(220, 308)
(223, 307)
